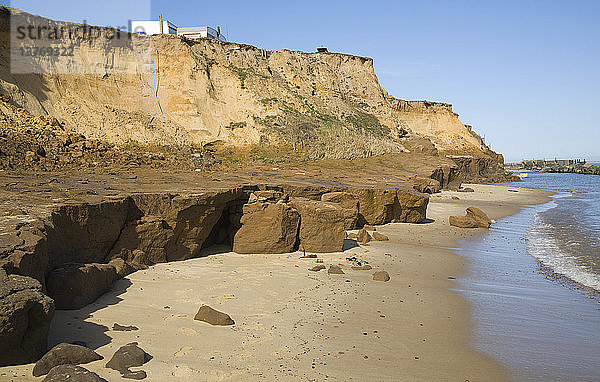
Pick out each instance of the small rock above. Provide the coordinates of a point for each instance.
(317, 268)
(64, 354)
(335, 270)
(311, 256)
(128, 356)
(139, 374)
(212, 316)
(380, 237)
(466, 189)
(122, 328)
(455, 198)
(72, 373)
(381, 276)
(362, 268)
(363, 236)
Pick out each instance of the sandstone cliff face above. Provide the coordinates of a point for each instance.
(323, 105)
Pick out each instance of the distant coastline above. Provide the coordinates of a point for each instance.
(575, 166)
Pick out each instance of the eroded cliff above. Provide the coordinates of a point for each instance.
(168, 90)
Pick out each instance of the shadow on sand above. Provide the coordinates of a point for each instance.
(71, 325)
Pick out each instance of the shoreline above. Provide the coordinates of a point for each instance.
(540, 328)
(296, 324)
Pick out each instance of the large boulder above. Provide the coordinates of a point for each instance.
(349, 203)
(72, 373)
(410, 208)
(64, 354)
(24, 250)
(479, 216)
(426, 185)
(267, 228)
(85, 233)
(378, 206)
(25, 315)
(363, 236)
(73, 286)
(321, 225)
(475, 218)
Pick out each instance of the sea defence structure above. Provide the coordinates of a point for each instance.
(577, 166)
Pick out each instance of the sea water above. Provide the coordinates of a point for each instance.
(531, 283)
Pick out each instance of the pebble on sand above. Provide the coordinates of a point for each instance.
(124, 328)
(362, 268)
(335, 270)
(381, 276)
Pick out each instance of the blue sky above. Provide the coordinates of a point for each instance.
(525, 74)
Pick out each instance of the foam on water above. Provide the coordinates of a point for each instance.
(565, 235)
(544, 247)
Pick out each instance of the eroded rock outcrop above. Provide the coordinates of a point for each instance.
(77, 251)
(74, 285)
(377, 206)
(349, 203)
(25, 315)
(267, 228)
(321, 225)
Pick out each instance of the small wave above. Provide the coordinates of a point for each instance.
(542, 246)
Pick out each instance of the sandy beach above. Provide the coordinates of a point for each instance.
(294, 324)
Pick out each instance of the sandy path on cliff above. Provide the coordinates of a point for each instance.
(293, 324)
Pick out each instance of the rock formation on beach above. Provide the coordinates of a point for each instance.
(25, 315)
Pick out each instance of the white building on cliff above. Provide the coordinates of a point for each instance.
(152, 27)
(201, 32)
(160, 26)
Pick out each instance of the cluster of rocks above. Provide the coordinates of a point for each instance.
(363, 236)
(61, 363)
(335, 269)
(29, 141)
(273, 222)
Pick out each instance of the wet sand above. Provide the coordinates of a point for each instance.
(294, 324)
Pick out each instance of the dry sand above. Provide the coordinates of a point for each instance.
(294, 324)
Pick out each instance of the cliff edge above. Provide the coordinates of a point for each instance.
(167, 90)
